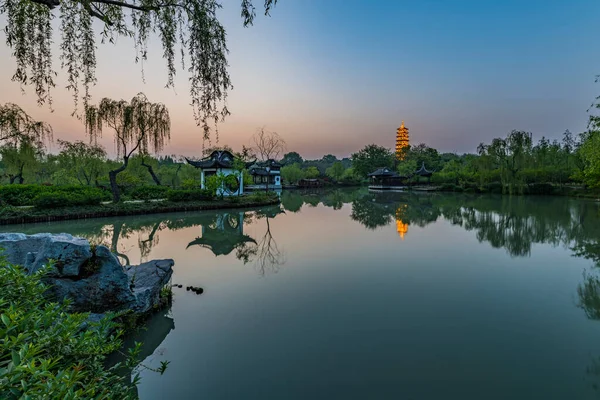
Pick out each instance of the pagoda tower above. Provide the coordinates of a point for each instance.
(402, 141)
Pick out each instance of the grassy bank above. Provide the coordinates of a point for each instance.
(20, 215)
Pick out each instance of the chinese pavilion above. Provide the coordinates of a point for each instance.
(220, 162)
(402, 141)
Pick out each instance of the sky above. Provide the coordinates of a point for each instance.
(331, 76)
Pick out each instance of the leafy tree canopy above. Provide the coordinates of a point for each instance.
(370, 158)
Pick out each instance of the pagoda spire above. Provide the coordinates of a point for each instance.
(402, 141)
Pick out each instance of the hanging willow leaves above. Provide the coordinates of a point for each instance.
(139, 126)
(17, 126)
(190, 24)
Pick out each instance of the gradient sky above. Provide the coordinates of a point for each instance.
(331, 76)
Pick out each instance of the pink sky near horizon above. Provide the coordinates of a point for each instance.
(292, 76)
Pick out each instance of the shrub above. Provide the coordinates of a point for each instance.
(189, 195)
(149, 192)
(45, 352)
(25, 195)
(87, 197)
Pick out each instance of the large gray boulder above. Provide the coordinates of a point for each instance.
(34, 251)
(91, 277)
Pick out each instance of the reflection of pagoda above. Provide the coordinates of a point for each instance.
(222, 233)
(402, 141)
(401, 227)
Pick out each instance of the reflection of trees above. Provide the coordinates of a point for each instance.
(265, 253)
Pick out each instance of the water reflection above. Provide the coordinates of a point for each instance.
(517, 225)
(513, 223)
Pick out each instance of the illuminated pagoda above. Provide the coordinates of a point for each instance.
(402, 141)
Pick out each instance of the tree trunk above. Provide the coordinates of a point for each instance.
(152, 174)
(112, 177)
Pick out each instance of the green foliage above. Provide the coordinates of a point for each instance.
(590, 154)
(214, 184)
(25, 195)
(16, 124)
(291, 174)
(189, 195)
(371, 158)
(84, 162)
(20, 157)
(45, 353)
(292, 158)
(149, 192)
(311, 173)
(86, 197)
(336, 171)
(350, 177)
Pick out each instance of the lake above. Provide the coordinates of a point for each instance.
(344, 294)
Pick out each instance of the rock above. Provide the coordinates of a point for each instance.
(91, 277)
(34, 251)
(147, 280)
(104, 285)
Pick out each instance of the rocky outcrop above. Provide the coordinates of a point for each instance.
(91, 277)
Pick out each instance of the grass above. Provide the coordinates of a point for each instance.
(16, 215)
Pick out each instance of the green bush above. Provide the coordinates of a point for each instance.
(87, 197)
(44, 351)
(149, 192)
(189, 195)
(24, 195)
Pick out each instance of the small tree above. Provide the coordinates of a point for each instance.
(292, 173)
(312, 172)
(336, 171)
(268, 145)
(83, 161)
(138, 126)
(370, 158)
(16, 124)
(292, 158)
(17, 157)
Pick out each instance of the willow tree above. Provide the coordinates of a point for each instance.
(188, 27)
(138, 126)
(16, 126)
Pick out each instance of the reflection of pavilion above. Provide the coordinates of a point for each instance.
(222, 233)
(401, 227)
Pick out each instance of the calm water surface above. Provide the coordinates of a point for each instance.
(350, 295)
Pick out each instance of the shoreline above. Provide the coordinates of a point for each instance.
(33, 215)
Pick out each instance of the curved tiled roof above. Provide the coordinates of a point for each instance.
(423, 171)
(217, 159)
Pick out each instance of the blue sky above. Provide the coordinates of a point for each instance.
(334, 75)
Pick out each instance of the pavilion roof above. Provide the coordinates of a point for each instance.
(423, 171)
(217, 159)
(383, 172)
